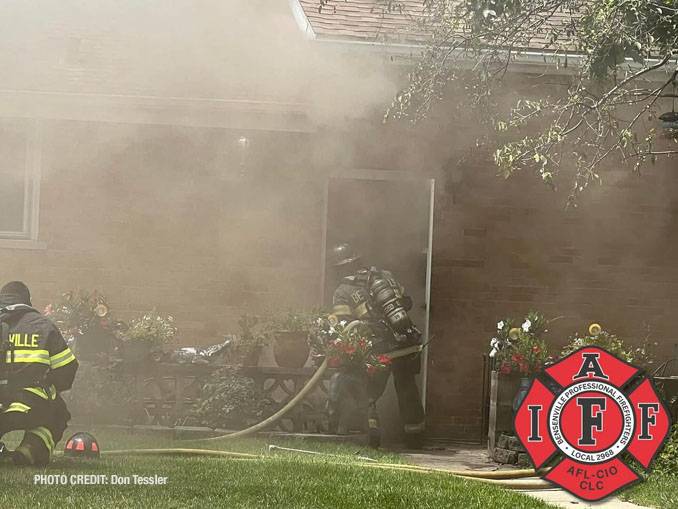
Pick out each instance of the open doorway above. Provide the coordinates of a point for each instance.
(387, 218)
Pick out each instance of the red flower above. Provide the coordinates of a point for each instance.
(350, 350)
(384, 359)
(517, 358)
(362, 344)
(523, 368)
(371, 369)
(505, 368)
(536, 350)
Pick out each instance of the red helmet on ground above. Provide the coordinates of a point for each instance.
(82, 444)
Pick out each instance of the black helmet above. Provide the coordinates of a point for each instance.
(82, 444)
(15, 292)
(342, 254)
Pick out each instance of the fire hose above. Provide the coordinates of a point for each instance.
(514, 479)
(310, 385)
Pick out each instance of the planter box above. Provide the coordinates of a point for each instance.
(503, 389)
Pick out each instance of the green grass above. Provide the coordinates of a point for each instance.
(280, 480)
(657, 491)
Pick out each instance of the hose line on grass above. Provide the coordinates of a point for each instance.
(513, 479)
(181, 452)
(506, 478)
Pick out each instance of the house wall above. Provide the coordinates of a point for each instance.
(161, 217)
(504, 248)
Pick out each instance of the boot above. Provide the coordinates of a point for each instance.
(22, 456)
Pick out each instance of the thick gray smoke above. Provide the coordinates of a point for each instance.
(184, 148)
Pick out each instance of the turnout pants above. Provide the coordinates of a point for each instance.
(44, 420)
(412, 415)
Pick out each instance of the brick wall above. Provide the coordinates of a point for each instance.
(159, 217)
(504, 248)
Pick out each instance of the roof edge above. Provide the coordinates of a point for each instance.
(302, 20)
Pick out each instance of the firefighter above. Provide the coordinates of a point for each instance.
(36, 365)
(375, 296)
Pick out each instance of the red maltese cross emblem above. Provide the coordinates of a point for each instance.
(591, 407)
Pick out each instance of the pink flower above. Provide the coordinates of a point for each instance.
(350, 350)
(48, 309)
(536, 350)
(384, 359)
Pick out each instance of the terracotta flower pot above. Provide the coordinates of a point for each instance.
(248, 356)
(291, 349)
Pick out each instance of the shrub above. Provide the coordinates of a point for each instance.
(667, 462)
(101, 393)
(231, 400)
(612, 343)
(150, 328)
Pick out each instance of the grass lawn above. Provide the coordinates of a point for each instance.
(281, 480)
(657, 491)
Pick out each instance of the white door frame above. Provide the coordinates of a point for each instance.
(368, 174)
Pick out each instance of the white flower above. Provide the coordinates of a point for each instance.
(500, 325)
(526, 325)
(494, 343)
(342, 323)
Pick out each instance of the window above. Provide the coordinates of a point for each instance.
(19, 179)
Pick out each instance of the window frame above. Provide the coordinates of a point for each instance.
(32, 175)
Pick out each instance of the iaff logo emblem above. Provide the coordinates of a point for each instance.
(594, 408)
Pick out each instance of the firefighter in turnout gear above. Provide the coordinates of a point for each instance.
(373, 295)
(36, 366)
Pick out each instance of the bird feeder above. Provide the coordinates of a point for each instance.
(670, 118)
(670, 124)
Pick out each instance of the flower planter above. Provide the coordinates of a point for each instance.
(522, 392)
(503, 390)
(291, 349)
(248, 356)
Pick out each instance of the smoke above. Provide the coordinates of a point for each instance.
(157, 209)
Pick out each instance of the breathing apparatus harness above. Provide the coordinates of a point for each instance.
(390, 305)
